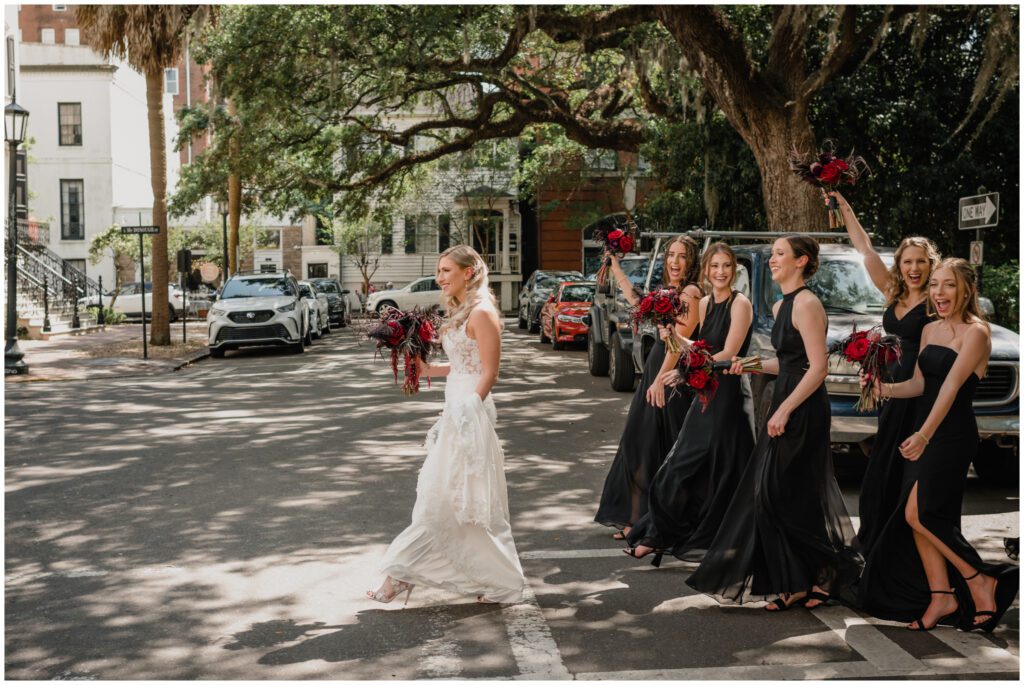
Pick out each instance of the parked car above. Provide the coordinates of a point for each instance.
(851, 300)
(565, 317)
(129, 300)
(423, 292)
(339, 304)
(319, 308)
(258, 309)
(610, 336)
(535, 292)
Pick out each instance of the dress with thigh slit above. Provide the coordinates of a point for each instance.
(893, 585)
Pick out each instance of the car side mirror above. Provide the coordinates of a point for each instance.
(987, 308)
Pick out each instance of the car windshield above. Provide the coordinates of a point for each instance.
(327, 286)
(258, 287)
(578, 293)
(636, 269)
(550, 280)
(842, 284)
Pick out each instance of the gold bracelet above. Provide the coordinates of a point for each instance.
(926, 440)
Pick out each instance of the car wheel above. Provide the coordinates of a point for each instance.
(555, 344)
(620, 367)
(298, 348)
(217, 352)
(327, 327)
(995, 465)
(533, 325)
(384, 305)
(597, 356)
(543, 338)
(308, 338)
(522, 320)
(172, 315)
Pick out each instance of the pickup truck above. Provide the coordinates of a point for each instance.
(850, 301)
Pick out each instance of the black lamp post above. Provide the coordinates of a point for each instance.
(223, 208)
(15, 126)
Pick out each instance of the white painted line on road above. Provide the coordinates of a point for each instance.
(866, 639)
(976, 648)
(571, 553)
(533, 648)
(439, 657)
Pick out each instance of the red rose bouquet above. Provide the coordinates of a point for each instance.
(618, 241)
(660, 308)
(696, 371)
(827, 171)
(413, 335)
(873, 352)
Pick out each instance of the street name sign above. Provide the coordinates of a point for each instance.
(979, 211)
(139, 230)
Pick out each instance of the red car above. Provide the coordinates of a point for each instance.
(565, 317)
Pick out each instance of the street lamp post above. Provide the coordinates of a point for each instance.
(15, 125)
(223, 207)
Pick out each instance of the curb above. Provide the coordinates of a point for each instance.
(188, 361)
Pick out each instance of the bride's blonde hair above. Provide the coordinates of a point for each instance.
(478, 286)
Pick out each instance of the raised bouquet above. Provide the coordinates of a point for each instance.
(696, 371)
(410, 335)
(823, 169)
(873, 351)
(619, 241)
(660, 308)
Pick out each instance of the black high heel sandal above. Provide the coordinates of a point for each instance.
(780, 603)
(655, 562)
(823, 599)
(1006, 589)
(919, 622)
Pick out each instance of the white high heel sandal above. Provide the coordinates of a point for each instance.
(398, 586)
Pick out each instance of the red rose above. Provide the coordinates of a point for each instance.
(843, 166)
(694, 359)
(626, 243)
(698, 379)
(614, 235)
(831, 173)
(663, 305)
(396, 334)
(646, 304)
(427, 332)
(891, 355)
(857, 349)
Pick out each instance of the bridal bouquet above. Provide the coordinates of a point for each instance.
(696, 371)
(825, 170)
(660, 308)
(412, 335)
(618, 241)
(873, 352)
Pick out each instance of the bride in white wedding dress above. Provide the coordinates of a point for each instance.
(460, 538)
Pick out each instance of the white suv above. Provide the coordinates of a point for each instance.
(258, 309)
(423, 292)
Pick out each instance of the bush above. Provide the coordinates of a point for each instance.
(113, 318)
(1001, 284)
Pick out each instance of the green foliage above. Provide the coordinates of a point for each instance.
(1001, 284)
(112, 317)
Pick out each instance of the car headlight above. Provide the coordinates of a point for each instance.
(217, 311)
(287, 308)
(569, 318)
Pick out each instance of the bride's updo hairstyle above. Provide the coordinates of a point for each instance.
(478, 286)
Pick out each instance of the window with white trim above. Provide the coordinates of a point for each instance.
(60, 8)
(72, 209)
(72, 37)
(69, 120)
(47, 36)
(171, 81)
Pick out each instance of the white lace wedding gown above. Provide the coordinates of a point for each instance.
(460, 538)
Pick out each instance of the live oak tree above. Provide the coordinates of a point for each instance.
(334, 108)
(150, 38)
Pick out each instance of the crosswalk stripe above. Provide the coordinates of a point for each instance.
(533, 648)
(866, 639)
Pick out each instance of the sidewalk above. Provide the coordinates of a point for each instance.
(112, 352)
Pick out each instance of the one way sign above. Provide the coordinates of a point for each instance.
(979, 211)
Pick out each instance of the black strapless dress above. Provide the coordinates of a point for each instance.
(787, 528)
(693, 488)
(648, 436)
(894, 585)
(883, 480)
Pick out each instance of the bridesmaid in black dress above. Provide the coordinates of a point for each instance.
(905, 287)
(921, 569)
(786, 531)
(693, 488)
(653, 421)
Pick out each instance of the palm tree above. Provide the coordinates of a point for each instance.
(149, 38)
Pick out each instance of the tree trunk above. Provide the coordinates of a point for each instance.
(161, 330)
(234, 197)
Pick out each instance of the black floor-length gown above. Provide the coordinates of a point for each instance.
(893, 585)
(883, 479)
(692, 489)
(787, 527)
(647, 437)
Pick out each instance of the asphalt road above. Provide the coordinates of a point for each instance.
(223, 522)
